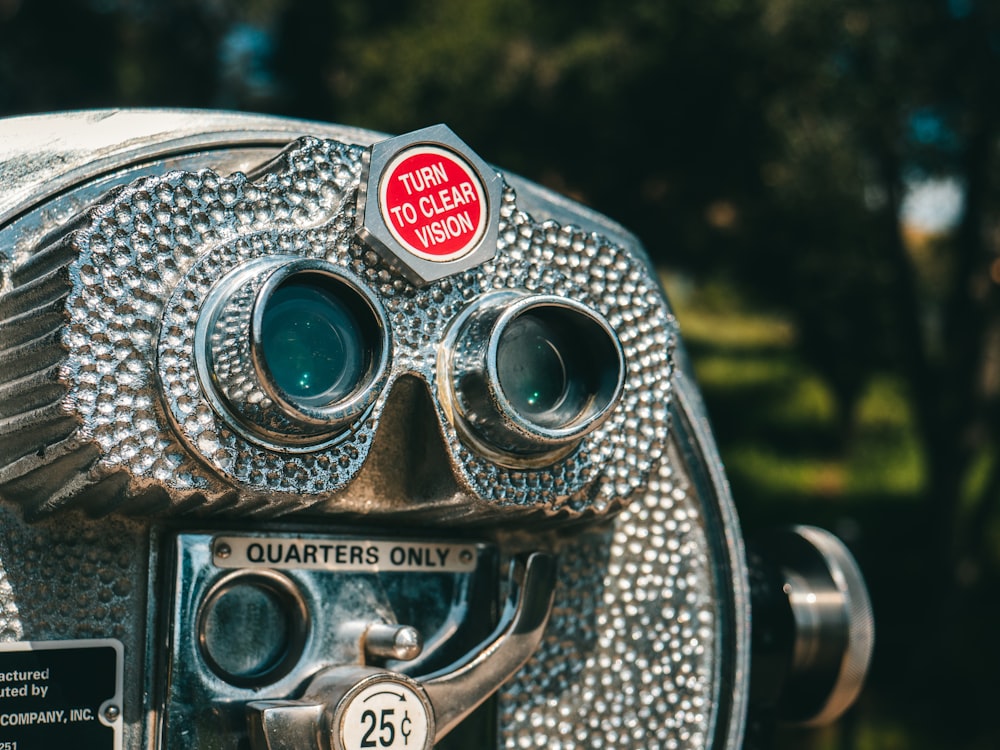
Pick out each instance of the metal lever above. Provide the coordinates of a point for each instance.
(353, 707)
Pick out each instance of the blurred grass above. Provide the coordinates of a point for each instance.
(885, 458)
(777, 420)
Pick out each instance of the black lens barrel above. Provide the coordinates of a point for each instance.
(529, 376)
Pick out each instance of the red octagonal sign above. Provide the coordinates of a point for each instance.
(433, 203)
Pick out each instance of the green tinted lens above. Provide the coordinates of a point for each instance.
(312, 343)
(532, 369)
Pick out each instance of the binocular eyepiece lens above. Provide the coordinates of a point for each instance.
(541, 368)
(292, 350)
(313, 342)
(531, 368)
(532, 375)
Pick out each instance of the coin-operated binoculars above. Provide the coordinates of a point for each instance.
(312, 438)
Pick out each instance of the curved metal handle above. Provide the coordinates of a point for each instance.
(460, 688)
(323, 719)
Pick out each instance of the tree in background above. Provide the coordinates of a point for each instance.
(897, 94)
(878, 99)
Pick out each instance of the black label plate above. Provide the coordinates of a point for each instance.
(57, 694)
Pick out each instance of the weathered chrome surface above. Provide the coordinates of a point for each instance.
(647, 641)
(449, 694)
(45, 155)
(77, 578)
(203, 706)
(98, 325)
(638, 651)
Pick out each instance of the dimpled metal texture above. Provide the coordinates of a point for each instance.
(630, 651)
(128, 414)
(10, 617)
(232, 365)
(229, 339)
(83, 571)
(69, 577)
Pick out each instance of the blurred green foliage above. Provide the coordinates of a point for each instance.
(765, 151)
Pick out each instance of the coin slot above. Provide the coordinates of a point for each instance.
(252, 628)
